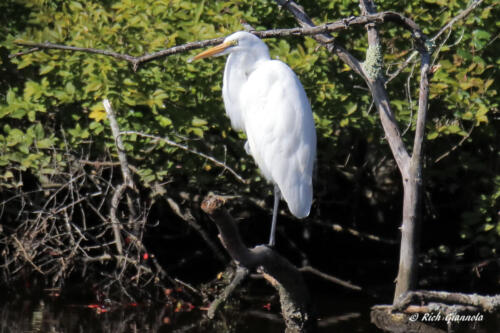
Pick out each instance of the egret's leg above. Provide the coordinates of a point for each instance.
(277, 196)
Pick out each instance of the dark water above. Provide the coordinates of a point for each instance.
(337, 310)
(48, 315)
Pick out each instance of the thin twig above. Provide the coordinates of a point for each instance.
(463, 14)
(330, 278)
(455, 146)
(191, 221)
(26, 255)
(191, 150)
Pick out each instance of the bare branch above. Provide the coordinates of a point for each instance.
(191, 150)
(127, 176)
(294, 297)
(485, 303)
(26, 256)
(191, 221)
(330, 278)
(462, 15)
(325, 39)
(115, 223)
(422, 107)
(455, 146)
(474, 4)
(307, 29)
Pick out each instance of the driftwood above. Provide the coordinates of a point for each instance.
(430, 311)
(294, 297)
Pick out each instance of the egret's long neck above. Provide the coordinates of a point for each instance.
(239, 66)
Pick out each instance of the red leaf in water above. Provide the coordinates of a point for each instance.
(145, 256)
(267, 306)
(93, 306)
(101, 310)
(178, 307)
(168, 291)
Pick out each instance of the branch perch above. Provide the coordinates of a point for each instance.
(307, 29)
(294, 297)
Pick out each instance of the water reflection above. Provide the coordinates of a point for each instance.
(54, 315)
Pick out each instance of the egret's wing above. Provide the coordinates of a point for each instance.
(280, 129)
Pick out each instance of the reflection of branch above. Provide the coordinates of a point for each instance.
(239, 276)
(191, 150)
(333, 320)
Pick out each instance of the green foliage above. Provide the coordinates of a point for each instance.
(52, 102)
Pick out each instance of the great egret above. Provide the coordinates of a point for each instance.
(266, 100)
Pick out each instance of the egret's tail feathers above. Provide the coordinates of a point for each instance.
(299, 199)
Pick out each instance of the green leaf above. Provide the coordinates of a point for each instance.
(432, 135)
(46, 69)
(198, 122)
(69, 88)
(44, 143)
(10, 96)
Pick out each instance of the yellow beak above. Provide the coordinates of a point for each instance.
(214, 50)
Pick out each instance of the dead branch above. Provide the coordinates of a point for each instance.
(295, 302)
(190, 150)
(483, 303)
(383, 317)
(115, 223)
(330, 278)
(188, 217)
(416, 310)
(307, 29)
(448, 26)
(26, 256)
(462, 15)
(120, 148)
(122, 157)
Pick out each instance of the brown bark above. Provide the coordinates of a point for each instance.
(288, 281)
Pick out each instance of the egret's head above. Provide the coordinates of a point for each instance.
(239, 41)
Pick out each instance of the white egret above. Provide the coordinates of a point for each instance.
(265, 99)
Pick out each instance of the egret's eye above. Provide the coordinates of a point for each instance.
(234, 42)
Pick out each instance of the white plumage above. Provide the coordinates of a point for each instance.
(266, 100)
